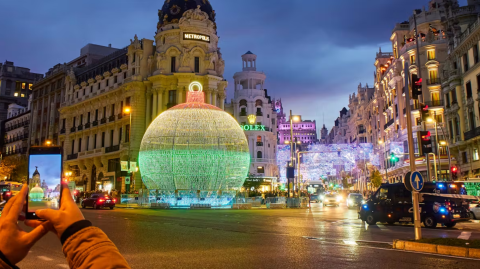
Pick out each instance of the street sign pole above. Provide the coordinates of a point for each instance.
(411, 151)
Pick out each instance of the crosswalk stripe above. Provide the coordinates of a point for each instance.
(465, 235)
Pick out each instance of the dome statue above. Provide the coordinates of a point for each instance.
(195, 147)
(36, 194)
(173, 10)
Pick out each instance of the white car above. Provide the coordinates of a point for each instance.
(475, 212)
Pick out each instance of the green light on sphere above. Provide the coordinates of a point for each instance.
(194, 147)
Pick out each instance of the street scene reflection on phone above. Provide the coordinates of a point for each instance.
(44, 182)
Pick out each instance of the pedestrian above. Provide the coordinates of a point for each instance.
(84, 245)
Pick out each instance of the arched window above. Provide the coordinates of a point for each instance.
(243, 102)
(258, 102)
(259, 155)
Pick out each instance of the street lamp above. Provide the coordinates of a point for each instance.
(436, 141)
(67, 175)
(292, 156)
(128, 110)
(48, 142)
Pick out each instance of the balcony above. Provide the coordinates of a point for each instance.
(103, 121)
(362, 131)
(87, 125)
(260, 144)
(112, 149)
(120, 116)
(243, 113)
(72, 156)
(472, 133)
(73, 129)
(434, 81)
(434, 103)
(80, 127)
(95, 123)
(62, 131)
(259, 113)
(111, 118)
(390, 122)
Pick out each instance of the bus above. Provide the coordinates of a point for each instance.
(8, 189)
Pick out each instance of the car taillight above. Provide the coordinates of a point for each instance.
(114, 200)
(8, 193)
(101, 200)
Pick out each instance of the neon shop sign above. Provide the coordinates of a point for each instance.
(253, 127)
(197, 37)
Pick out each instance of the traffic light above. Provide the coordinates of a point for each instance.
(424, 112)
(425, 141)
(416, 86)
(393, 157)
(454, 171)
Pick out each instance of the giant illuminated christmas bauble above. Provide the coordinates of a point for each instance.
(36, 194)
(194, 146)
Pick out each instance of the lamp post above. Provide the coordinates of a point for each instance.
(128, 111)
(437, 146)
(292, 154)
(385, 151)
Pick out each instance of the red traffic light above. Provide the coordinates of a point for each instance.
(454, 169)
(418, 82)
(426, 136)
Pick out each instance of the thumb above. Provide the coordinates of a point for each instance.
(47, 214)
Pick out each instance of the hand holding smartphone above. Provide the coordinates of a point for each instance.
(44, 180)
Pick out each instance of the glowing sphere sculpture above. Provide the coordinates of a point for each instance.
(194, 147)
(36, 194)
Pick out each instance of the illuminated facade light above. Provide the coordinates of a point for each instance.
(193, 152)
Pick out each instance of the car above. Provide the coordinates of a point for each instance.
(354, 200)
(475, 212)
(99, 200)
(8, 189)
(332, 199)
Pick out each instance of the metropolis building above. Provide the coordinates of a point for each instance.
(254, 110)
(147, 76)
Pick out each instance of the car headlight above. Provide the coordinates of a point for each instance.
(339, 198)
(363, 202)
(349, 201)
(321, 197)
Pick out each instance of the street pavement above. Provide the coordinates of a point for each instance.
(318, 237)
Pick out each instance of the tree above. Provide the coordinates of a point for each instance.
(15, 168)
(376, 179)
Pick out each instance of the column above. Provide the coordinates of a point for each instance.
(155, 105)
(458, 92)
(214, 98)
(179, 96)
(149, 110)
(208, 96)
(159, 101)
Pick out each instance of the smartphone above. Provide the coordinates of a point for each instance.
(44, 179)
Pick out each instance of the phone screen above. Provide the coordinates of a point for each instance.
(44, 181)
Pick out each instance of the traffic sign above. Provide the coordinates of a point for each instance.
(407, 182)
(416, 180)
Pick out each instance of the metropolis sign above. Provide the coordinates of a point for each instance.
(196, 37)
(253, 127)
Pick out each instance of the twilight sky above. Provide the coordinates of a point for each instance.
(314, 53)
(49, 167)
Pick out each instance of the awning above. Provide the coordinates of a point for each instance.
(461, 196)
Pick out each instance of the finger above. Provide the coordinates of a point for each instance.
(67, 199)
(7, 207)
(33, 223)
(37, 233)
(47, 214)
(17, 205)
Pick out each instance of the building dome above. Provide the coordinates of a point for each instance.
(172, 10)
(195, 147)
(36, 193)
(36, 173)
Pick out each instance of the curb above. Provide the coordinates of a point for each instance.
(437, 249)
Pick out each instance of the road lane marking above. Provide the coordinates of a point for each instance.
(465, 235)
(44, 258)
(350, 243)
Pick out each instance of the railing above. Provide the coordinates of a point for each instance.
(72, 156)
(472, 133)
(390, 122)
(73, 129)
(112, 149)
(259, 144)
(434, 103)
(16, 151)
(259, 113)
(87, 125)
(434, 81)
(80, 127)
(103, 121)
(95, 123)
(111, 118)
(120, 116)
(62, 131)
(242, 113)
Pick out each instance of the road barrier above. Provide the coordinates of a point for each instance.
(437, 249)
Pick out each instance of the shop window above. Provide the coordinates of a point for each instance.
(475, 154)
(431, 55)
(261, 169)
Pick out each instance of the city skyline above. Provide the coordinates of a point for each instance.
(336, 64)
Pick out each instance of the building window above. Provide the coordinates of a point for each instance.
(23, 86)
(412, 59)
(259, 139)
(465, 62)
(433, 77)
(120, 136)
(172, 64)
(431, 55)
(73, 146)
(260, 169)
(464, 157)
(96, 114)
(103, 139)
(115, 79)
(111, 138)
(475, 154)
(438, 118)
(95, 141)
(22, 95)
(172, 97)
(79, 145)
(197, 64)
(15, 94)
(468, 88)
(88, 142)
(259, 155)
(475, 54)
